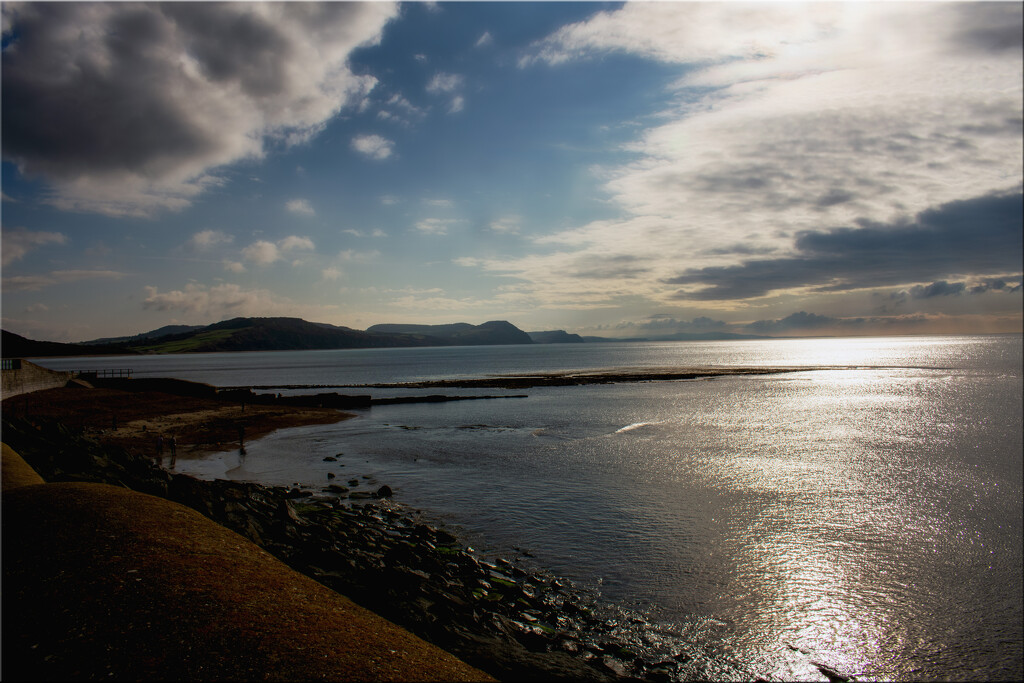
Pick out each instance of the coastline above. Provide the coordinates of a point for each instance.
(135, 420)
(508, 620)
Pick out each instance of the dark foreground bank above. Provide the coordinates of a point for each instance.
(510, 622)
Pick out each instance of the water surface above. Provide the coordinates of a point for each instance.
(867, 517)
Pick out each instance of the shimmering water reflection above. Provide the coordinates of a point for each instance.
(862, 521)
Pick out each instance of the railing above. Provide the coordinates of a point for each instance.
(111, 373)
(10, 364)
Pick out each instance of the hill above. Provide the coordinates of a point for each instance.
(555, 337)
(275, 334)
(16, 346)
(152, 334)
(461, 334)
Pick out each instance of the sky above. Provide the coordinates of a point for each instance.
(612, 169)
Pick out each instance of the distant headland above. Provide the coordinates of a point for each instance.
(295, 334)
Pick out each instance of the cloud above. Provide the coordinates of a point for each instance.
(940, 288)
(352, 256)
(234, 266)
(507, 225)
(801, 320)
(208, 238)
(785, 122)
(401, 111)
(373, 146)
(444, 83)
(998, 285)
(434, 226)
(18, 242)
(666, 324)
(803, 323)
(293, 242)
(221, 301)
(331, 273)
(980, 235)
(261, 252)
(57, 277)
(127, 109)
(264, 253)
(485, 39)
(300, 206)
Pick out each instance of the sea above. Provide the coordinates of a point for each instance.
(861, 512)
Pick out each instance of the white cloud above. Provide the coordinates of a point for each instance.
(443, 203)
(293, 242)
(507, 225)
(458, 103)
(331, 273)
(215, 80)
(227, 300)
(209, 238)
(18, 242)
(300, 206)
(434, 226)
(261, 252)
(785, 118)
(57, 277)
(353, 256)
(444, 83)
(373, 146)
(234, 266)
(485, 39)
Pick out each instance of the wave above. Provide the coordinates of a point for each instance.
(635, 425)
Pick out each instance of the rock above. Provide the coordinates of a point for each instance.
(614, 666)
(353, 482)
(330, 475)
(445, 538)
(384, 492)
(335, 488)
(330, 458)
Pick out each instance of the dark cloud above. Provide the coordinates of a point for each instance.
(804, 322)
(666, 324)
(981, 235)
(998, 284)
(989, 27)
(943, 288)
(940, 288)
(159, 94)
(801, 320)
(609, 267)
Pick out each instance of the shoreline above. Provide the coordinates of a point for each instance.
(557, 379)
(499, 614)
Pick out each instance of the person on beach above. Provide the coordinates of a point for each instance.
(174, 451)
(160, 448)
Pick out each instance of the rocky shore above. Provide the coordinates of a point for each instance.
(494, 613)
